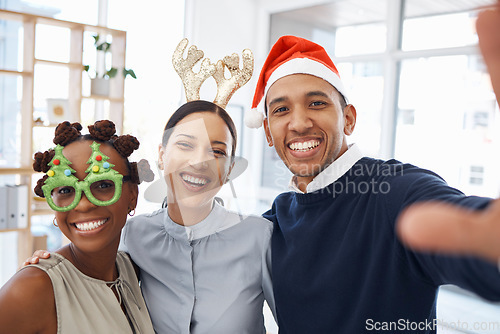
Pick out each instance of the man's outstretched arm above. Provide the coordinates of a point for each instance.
(446, 228)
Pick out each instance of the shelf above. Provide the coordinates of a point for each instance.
(41, 125)
(42, 212)
(14, 230)
(100, 97)
(13, 170)
(58, 63)
(11, 72)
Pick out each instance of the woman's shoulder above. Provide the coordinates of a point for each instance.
(153, 218)
(27, 295)
(29, 279)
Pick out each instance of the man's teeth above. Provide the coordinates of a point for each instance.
(304, 146)
(194, 180)
(90, 225)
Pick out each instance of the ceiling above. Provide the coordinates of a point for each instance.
(351, 12)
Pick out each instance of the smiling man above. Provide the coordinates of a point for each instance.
(338, 265)
(308, 125)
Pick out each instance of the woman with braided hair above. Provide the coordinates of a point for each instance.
(87, 286)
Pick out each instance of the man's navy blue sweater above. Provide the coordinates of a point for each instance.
(338, 266)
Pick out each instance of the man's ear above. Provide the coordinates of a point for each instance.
(349, 119)
(269, 138)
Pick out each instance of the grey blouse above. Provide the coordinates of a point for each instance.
(211, 277)
(88, 305)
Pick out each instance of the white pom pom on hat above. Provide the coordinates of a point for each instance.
(254, 118)
(291, 55)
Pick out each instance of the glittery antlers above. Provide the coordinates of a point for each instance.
(225, 87)
(184, 67)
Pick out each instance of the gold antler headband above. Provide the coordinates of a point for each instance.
(225, 87)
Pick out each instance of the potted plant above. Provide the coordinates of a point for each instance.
(99, 84)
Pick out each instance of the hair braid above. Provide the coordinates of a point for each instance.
(102, 130)
(66, 132)
(41, 161)
(38, 188)
(125, 145)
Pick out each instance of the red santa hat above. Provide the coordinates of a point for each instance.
(291, 55)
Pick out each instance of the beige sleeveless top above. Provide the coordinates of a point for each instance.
(88, 305)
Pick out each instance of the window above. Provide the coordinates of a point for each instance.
(476, 175)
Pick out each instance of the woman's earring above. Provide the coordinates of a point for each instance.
(54, 222)
(131, 212)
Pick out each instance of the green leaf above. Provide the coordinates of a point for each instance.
(129, 72)
(96, 39)
(103, 46)
(86, 68)
(112, 72)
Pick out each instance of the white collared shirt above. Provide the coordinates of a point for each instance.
(331, 173)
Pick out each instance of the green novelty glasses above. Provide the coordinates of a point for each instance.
(63, 190)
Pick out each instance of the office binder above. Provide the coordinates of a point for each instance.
(17, 206)
(3, 208)
(22, 206)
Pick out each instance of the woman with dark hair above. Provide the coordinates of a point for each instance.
(86, 286)
(203, 269)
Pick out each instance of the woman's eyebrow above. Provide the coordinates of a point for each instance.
(219, 142)
(194, 137)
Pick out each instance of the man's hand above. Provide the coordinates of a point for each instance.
(439, 227)
(488, 31)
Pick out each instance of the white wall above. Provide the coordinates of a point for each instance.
(220, 28)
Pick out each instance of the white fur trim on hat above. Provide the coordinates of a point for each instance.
(304, 66)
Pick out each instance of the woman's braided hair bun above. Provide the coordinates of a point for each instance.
(125, 144)
(41, 164)
(67, 132)
(102, 130)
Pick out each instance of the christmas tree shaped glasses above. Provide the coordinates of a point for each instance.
(102, 185)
